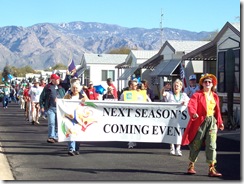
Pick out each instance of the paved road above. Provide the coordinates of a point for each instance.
(30, 157)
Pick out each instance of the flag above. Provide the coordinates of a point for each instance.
(183, 76)
(72, 68)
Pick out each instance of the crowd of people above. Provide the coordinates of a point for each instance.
(38, 99)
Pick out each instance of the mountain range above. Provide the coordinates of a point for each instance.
(46, 44)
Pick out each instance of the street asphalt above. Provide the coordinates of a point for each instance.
(26, 156)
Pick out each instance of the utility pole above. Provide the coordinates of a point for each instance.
(161, 27)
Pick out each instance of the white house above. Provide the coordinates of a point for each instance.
(216, 60)
(99, 67)
(165, 65)
(214, 56)
(129, 68)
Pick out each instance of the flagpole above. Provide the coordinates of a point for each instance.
(183, 76)
(70, 57)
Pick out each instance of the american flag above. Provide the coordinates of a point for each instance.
(183, 76)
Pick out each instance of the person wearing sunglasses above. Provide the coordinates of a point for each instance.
(205, 120)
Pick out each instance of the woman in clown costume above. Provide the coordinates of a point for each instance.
(205, 120)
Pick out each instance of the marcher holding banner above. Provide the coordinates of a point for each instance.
(145, 85)
(109, 96)
(176, 96)
(134, 94)
(74, 94)
(166, 88)
(205, 120)
(72, 82)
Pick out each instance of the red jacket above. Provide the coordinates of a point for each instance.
(91, 94)
(26, 94)
(198, 104)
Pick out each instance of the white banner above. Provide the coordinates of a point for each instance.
(121, 121)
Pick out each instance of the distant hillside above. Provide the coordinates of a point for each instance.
(43, 45)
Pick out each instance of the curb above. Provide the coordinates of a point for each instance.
(6, 173)
(230, 134)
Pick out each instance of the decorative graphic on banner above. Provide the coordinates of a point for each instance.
(121, 121)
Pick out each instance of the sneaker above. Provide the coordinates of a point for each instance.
(37, 122)
(178, 153)
(172, 152)
(76, 152)
(71, 153)
(44, 117)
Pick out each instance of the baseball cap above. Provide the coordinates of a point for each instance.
(55, 76)
(192, 77)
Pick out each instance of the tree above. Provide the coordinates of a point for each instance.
(123, 50)
(59, 66)
(6, 71)
(16, 72)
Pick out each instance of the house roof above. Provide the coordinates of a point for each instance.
(143, 54)
(236, 25)
(184, 46)
(152, 62)
(127, 73)
(166, 68)
(139, 55)
(209, 50)
(122, 65)
(104, 58)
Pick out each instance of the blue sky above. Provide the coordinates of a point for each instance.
(192, 15)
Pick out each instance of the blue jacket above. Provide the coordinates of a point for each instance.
(48, 94)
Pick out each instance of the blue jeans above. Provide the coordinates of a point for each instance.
(5, 100)
(52, 123)
(73, 146)
(13, 98)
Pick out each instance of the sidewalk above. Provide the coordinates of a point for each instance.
(230, 134)
(6, 173)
